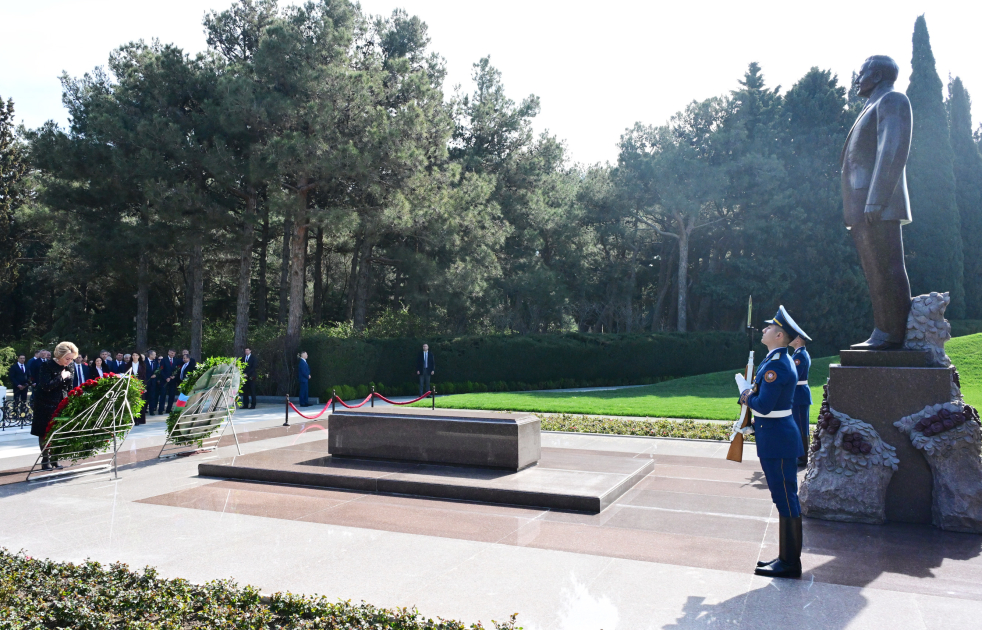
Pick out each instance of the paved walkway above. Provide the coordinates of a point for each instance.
(675, 552)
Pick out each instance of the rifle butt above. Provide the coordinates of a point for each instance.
(735, 454)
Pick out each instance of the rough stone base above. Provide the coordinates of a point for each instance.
(848, 473)
(955, 457)
(879, 396)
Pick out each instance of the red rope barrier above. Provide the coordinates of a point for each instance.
(408, 402)
(311, 417)
(362, 403)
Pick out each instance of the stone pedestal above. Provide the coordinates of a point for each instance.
(882, 395)
(464, 438)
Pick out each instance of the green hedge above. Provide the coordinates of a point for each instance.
(964, 327)
(517, 362)
(39, 594)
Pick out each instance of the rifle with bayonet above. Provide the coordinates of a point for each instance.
(742, 424)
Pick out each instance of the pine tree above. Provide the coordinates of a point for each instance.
(968, 192)
(933, 241)
(13, 169)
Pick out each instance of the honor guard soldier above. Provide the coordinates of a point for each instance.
(802, 393)
(778, 439)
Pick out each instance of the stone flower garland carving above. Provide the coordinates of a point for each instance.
(846, 445)
(849, 470)
(938, 429)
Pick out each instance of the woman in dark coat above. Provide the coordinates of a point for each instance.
(53, 384)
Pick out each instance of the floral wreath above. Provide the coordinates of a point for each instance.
(83, 398)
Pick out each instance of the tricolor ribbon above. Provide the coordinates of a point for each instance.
(181, 400)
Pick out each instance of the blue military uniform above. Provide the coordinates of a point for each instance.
(778, 438)
(802, 394)
(779, 445)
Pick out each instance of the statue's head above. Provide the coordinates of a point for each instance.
(876, 70)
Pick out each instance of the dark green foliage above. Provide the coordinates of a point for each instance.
(523, 359)
(968, 192)
(88, 596)
(932, 242)
(13, 170)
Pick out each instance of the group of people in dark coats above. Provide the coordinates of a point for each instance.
(160, 377)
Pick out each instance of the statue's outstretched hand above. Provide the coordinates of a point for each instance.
(873, 213)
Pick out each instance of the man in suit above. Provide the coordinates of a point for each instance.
(151, 381)
(802, 394)
(168, 387)
(303, 377)
(778, 440)
(875, 200)
(19, 378)
(79, 371)
(108, 364)
(187, 353)
(249, 387)
(34, 365)
(183, 371)
(425, 368)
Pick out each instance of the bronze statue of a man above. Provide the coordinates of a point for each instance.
(875, 200)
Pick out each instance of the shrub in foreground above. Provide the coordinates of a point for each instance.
(41, 594)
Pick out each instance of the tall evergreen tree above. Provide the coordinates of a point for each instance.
(933, 240)
(968, 192)
(13, 169)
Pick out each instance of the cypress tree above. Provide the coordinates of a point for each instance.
(933, 241)
(968, 192)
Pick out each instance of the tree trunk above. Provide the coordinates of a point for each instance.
(298, 251)
(245, 276)
(631, 282)
(285, 270)
(197, 300)
(359, 314)
(142, 301)
(319, 277)
(262, 299)
(353, 276)
(683, 274)
(664, 284)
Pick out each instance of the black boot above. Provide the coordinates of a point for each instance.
(788, 563)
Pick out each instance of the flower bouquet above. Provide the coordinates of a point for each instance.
(87, 420)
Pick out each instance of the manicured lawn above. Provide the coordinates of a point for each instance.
(709, 396)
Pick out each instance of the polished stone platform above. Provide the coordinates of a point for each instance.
(441, 436)
(564, 479)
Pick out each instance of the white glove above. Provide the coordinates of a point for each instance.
(742, 383)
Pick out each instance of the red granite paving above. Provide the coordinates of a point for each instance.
(690, 511)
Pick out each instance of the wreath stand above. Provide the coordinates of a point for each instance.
(206, 410)
(114, 421)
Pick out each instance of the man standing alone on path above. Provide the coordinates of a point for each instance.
(19, 378)
(425, 368)
(249, 387)
(303, 375)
